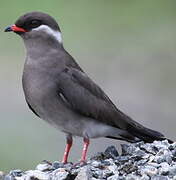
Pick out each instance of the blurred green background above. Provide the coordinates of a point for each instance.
(128, 47)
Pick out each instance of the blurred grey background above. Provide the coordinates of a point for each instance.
(128, 47)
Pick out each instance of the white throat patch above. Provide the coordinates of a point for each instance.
(56, 34)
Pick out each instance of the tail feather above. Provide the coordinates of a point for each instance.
(145, 134)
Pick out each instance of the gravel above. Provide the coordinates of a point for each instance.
(138, 161)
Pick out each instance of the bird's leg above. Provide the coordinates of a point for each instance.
(84, 151)
(67, 148)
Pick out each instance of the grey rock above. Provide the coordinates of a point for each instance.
(127, 149)
(113, 168)
(84, 174)
(8, 177)
(96, 164)
(2, 175)
(106, 173)
(59, 174)
(35, 174)
(16, 173)
(144, 177)
(98, 156)
(149, 170)
(149, 148)
(173, 151)
(44, 167)
(172, 146)
(164, 155)
(158, 177)
(111, 152)
(122, 159)
(161, 144)
(154, 164)
(142, 162)
(97, 174)
(139, 153)
(165, 168)
(114, 177)
(57, 164)
(132, 177)
(106, 162)
(172, 170)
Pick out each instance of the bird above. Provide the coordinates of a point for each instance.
(58, 91)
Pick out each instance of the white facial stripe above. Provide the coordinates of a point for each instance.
(48, 30)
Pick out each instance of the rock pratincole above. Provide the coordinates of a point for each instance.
(58, 91)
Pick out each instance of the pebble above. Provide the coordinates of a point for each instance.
(127, 149)
(36, 174)
(16, 173)
(158, 177)
(144, 177)
(83, 174)
(59, 174)
(2, 174)
(96, 164)
(165, 168)
(132, 177)
(111, 152)
(114, 177)
(44, 167)
(172, 170)
(149, 170)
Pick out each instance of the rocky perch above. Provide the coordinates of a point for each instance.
(138, 161)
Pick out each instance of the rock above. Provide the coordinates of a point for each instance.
(84, 174)
(149, 170)
(138, 161)
(35, 174)
(59, 174)
(106, 162)
(111, 152)
(132, 177)
(114, 177)
(113, 168)
(144, 177)
(164, 155)
(106, 173)
(57, 165)
(172, 170)
(127, 149)
(158, 177)
(98, 156)
(96, 164)
(2, 175)
(44, 167)
(122, 159)
(165, 168)
(16, 173)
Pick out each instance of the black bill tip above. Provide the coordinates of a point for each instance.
(8, 29)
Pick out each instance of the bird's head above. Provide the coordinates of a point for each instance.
(38, 27)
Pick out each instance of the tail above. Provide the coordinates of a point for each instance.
(132, 131)
(146, 134)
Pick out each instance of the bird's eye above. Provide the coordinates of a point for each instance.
(35, 23)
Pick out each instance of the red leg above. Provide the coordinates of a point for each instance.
(84, 151)
(67, 149)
